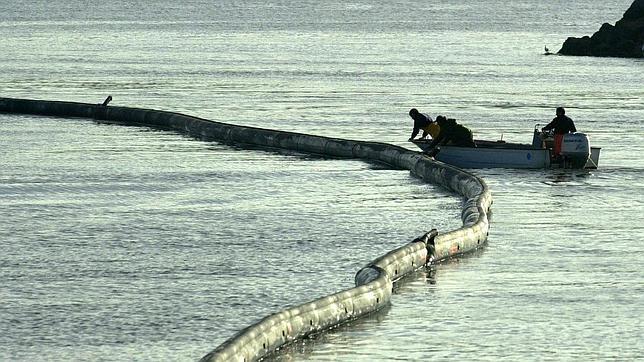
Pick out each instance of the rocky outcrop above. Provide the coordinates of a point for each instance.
(625, 39)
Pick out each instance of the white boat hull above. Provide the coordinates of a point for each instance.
(490, 154)
(467, 157)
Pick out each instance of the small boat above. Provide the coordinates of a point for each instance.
(575, 153)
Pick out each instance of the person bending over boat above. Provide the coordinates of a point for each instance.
(561, 125)
(452, 134)
(424, 122)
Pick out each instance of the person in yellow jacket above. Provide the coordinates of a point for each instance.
(424, 122)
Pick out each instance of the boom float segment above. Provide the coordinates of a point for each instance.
(374, 282)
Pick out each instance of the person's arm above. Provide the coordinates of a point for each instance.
(572, 126)
(549, 126)
(438, 140)
(414, 133)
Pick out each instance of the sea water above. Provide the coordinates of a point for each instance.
(128, 243)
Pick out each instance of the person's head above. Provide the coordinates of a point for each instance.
(441, 119)
(413, 113)
(561, 111)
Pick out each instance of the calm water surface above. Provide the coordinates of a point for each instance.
(126, 243)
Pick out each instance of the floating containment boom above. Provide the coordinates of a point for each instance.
(374, 282)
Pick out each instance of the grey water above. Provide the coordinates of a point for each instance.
(128, 243)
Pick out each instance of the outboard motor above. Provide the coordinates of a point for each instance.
(575, 148)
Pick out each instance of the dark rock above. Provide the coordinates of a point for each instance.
(625, 39)
(576, 46)
(636, 11)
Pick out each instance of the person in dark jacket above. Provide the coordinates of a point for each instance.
(424, 122)
(452, 133)
(561, 125)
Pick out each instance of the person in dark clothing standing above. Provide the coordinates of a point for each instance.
(452, 133)
(561, 125)
(424, 122)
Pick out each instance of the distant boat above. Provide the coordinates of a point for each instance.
(547, 51)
